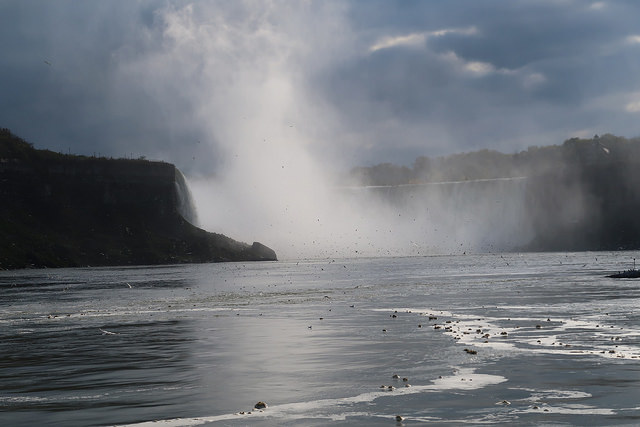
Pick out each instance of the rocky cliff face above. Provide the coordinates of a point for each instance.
(66, 211)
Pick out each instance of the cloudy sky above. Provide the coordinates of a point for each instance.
(198, 83)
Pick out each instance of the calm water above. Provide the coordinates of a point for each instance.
(549, 340)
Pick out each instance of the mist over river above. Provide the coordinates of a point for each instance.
(304, 220)
(496, 339)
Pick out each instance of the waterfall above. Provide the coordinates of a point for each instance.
(186, 207)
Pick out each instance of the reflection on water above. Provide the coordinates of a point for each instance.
(548, 340)
(80, 366)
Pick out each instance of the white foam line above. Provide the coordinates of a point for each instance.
(463, 379)
(343, 416)
(568, 410)
(548, 344)
(419, 311)
(538, 402)
(463, 328)
(124, 313)
(57, 399)
(537, 395)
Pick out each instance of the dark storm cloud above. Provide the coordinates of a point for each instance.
(56, 70)
(493, 74)
(374, 80)
(62, 87)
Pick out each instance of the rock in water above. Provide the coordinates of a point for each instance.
(259, 252)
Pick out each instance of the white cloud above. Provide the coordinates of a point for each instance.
(632, 107)
(414, 39)
(418, 39)
(528, 78)
(534, 79)
(633, 39)
(469, 31)
(475, 68)
(615, 102)
(597, 5)
(480, 68)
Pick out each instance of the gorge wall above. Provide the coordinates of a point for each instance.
(68, 211)
(593, 206)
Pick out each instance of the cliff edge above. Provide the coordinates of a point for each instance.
(70, 211)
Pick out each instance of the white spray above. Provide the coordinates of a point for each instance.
(280, 150)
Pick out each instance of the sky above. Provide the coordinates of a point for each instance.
(363, 81)
(260, 102)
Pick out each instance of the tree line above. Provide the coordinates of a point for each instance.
(571, 156)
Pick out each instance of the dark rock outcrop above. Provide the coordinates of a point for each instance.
(258, 251)
(628, 274)
(67, 211)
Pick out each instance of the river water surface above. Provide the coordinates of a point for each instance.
(527, 339)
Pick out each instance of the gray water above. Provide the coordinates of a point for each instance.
(526, 339)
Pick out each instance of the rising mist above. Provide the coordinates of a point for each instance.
(280, 152)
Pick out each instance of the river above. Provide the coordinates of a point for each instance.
(497, 339)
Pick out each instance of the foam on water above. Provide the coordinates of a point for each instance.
(535, 334)
(462, 379)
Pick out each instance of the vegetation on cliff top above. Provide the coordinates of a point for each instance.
(14, 148)
(487, 164)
